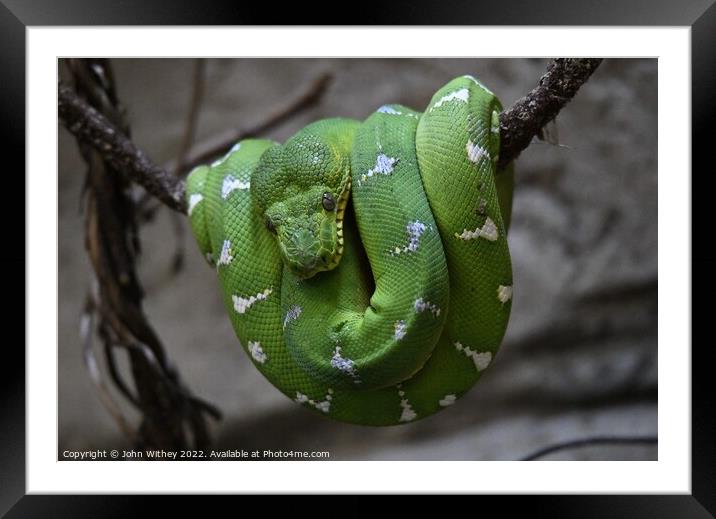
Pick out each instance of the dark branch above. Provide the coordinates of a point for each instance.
(586, 442)
(521, 122)
(93, 128)
(518, 125)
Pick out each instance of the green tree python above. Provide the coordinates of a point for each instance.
(364, 265)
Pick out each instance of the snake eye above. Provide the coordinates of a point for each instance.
(270, 226)
(329, 203)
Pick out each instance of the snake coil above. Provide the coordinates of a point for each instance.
(365, 265)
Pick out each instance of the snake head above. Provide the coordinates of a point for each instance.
(309, 230)
(301, 191)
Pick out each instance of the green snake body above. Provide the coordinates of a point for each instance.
(365, 265)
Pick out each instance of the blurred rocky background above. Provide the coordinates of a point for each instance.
(580, 355)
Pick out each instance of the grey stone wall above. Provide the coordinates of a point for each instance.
(579, 358)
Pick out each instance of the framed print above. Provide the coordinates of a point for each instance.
(349, 259)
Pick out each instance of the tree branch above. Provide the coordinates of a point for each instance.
(586, 442)
(523, 120)
(518, 125)
(91, 127)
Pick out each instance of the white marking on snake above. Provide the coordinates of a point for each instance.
(488, 231)
(383, 166)
(225, 257)
(257, 352)
(504, 293)
(461, 95)
(447, 400)
(345, 365)
(324, 406)
(481, 360)
(474, 80)
(475, 152)
(399, 329)
(495, 126)
(234, 148)
(230, 184)
(408, 414)
(292, 315)
(421, 305)
(385, 109)
(193, 200)
(415, 230)
(241, 304)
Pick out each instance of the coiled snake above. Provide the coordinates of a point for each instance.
(365, 265)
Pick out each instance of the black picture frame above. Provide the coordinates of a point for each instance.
(17, 15)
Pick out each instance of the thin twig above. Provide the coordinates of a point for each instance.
(87, 325)
(114, 373)
(148, 205)
(217, 146)
(586, 442)
(177, 262)
(192, 117)
(192, 121)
